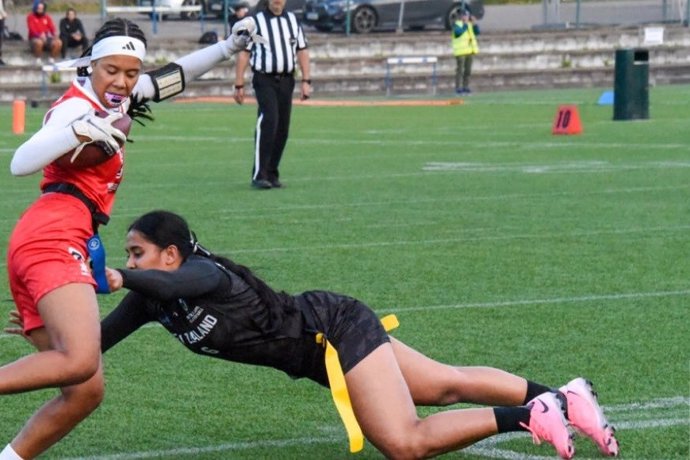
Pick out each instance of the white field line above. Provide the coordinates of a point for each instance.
(191, 451)
(438, 142)
(406, 202)
(487, 448)
(553, 300)
(462, 239)
(510, 303)
(444, 241)
(560, 168)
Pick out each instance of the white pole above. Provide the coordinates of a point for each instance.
(400, 17)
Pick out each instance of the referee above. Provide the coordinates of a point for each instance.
(273, 65)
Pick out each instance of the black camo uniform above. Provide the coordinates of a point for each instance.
(213, 312)
(273, 80)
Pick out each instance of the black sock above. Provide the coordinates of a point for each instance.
(509, 418)
(564, 403)
(534, 390)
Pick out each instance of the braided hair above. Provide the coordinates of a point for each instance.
(165, 228)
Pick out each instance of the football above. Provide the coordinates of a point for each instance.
(93, 154)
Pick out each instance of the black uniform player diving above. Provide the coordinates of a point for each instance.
(218, 308)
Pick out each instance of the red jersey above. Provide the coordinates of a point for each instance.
(47, 248)
(38, 25)
(99, 183)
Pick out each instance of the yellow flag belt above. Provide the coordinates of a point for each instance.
(336, 380)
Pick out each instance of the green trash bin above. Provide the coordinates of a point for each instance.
(631, 86)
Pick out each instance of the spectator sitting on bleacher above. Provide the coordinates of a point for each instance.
(72, 33)
(42, 33)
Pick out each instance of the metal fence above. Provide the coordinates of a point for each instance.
(581, 13)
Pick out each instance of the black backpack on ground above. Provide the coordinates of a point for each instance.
(209, 38)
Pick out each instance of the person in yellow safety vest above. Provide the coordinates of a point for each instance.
(465, 46)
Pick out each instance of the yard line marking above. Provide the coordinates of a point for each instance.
(242, 445)
(321, 205)
(460, 239)
(4, 335)
(440, 241)
(443, 241)
(660, 403)
(643, 424)
(554, 300)
(563, 167)
(485, 448)
(239, 213)
(510, 303)
(455, 199)
(508, 144)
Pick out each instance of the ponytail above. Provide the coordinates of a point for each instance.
(266, 293)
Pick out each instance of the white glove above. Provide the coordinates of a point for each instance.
(98, 129)
(243, 33)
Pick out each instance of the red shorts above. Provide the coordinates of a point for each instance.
(47, 249)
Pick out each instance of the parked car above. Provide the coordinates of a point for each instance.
(367, 15)
(215, 7)
(174, 8)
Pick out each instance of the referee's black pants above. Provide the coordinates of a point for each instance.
(274, 98)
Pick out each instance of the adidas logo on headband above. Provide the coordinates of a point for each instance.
(118, 44)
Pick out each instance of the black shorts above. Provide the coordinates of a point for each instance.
(349, 325)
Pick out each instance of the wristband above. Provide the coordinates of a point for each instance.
(307, 81)
(239, 86)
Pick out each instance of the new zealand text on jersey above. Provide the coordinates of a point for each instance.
(200, 332)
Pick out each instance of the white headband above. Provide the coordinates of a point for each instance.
(118, 45)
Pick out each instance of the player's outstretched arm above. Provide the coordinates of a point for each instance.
(170, 80)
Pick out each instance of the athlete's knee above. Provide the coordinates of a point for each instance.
(79, 366)
(84, 398)
(448, 387)
(455, 383)
(404, 444)
(92, 395)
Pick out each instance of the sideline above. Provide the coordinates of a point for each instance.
(332, 102)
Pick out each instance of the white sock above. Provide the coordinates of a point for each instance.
(9, 454)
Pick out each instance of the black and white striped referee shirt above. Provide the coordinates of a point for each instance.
(285, 37)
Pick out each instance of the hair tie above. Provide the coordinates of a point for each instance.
(196, 247)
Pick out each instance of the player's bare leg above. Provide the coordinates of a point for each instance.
(387, 414)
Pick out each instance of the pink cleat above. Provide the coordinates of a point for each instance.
(586, 416)
(547, 423)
